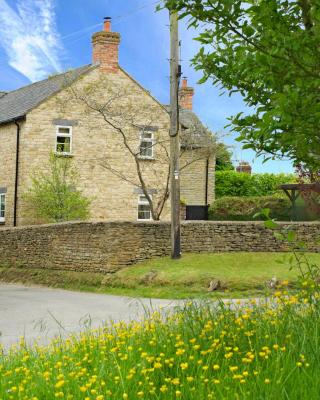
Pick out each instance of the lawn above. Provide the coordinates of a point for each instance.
(241, 275)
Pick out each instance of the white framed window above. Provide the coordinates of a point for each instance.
(2, 207)
(64, 139)
(144, 210)
(146, 144)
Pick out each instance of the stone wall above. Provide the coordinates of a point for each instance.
(109, 246)
(8, 142)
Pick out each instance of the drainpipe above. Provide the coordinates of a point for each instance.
(15, 204)
(207, 182)
(207, 189)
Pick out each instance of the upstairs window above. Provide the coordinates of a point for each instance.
(64, 139)
(146, 144)
(144, 211)
(2, 207)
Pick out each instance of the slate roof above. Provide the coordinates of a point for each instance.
(189, 120)
(194, 134)
(16, 104)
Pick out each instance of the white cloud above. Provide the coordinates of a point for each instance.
(30, 39)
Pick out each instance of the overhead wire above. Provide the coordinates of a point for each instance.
(74, 37)
(132, 12)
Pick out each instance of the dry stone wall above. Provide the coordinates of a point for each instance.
(109, 246)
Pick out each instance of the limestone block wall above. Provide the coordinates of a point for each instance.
(8, 143)
(193, 180)
(110, 246)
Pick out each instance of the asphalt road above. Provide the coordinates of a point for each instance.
(42, 313)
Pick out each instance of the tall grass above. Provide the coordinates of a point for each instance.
(202, 351)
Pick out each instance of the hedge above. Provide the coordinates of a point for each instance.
(231, 183)
(244, 208)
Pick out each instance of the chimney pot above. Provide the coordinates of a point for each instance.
(107, 24)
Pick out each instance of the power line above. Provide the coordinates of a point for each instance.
(132, 12)
(118, 19)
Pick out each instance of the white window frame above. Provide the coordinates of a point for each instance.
(144, 203)
(148, 140)
(3, 196)
(67, 135)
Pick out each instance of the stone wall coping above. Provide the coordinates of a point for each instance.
(281, 223)
(156, 223)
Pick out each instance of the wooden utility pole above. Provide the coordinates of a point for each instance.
(174, 137)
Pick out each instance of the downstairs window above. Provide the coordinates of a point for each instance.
(144, 210)
(2, 207)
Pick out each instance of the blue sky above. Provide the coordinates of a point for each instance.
(40, 37)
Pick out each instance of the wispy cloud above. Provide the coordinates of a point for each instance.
(30, 38)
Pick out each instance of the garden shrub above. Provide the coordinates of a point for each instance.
(244, 208)
(231, 183)
(53, 195)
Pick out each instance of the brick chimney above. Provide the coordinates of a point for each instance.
(244, 167)
(105, 50)
(186, 95)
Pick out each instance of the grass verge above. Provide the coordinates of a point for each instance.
(241, 275)
(204, 351)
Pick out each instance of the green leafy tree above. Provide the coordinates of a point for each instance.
(268, 51)
(53, 196)
(223, 158)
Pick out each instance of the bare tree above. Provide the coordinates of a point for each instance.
(136, 125)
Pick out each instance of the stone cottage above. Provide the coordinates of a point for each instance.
(108, 125)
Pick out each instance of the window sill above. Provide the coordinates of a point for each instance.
(66, 155)
(146, 158)
(2, 223)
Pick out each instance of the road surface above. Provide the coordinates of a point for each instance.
(42, 313)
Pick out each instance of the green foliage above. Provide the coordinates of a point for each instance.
(308, 270)
(268, 52)
(247, 208)
(199, 350)
(231, 183)
(53, 196)
(223, 158)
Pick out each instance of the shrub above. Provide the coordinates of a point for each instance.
(231, 183)
(244, 208)
(53, 196)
